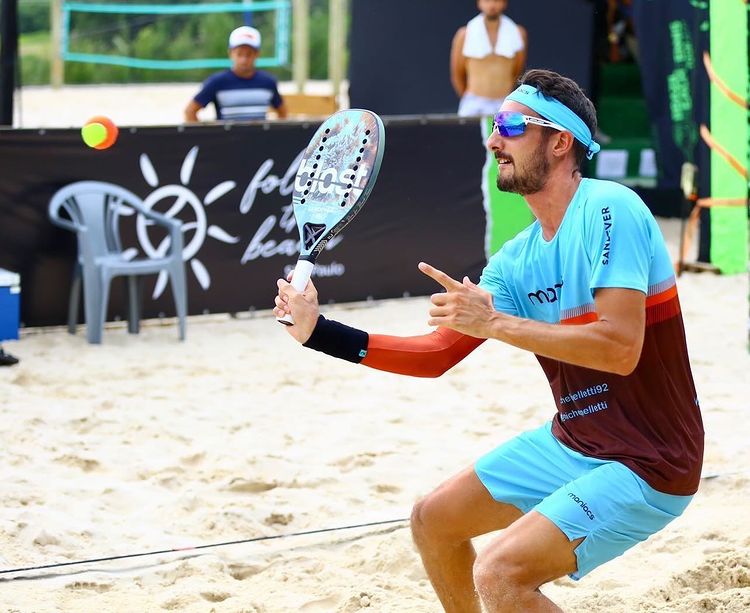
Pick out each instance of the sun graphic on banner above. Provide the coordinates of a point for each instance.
(178, 197)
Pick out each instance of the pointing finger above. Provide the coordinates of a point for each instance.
(443, 279)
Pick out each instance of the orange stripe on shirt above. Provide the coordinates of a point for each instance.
(667, 294)
(586, 318)
(661, 311)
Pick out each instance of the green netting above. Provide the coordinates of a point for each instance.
(122, 31)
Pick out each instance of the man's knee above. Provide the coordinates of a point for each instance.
(425, 518)
(458, 510)
(499, 572)
(513, 569)
(430, 520)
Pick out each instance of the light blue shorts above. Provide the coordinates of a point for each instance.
(601, 500)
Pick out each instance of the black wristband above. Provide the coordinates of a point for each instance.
(338, 340)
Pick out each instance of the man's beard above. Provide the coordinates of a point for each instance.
(533, 177)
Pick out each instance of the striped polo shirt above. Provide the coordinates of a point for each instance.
(240, 99)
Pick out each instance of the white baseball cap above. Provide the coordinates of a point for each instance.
(244, 35)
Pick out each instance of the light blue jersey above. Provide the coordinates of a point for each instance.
(608, 238)
(649, 420)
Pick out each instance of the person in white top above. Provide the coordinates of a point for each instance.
(487, 56)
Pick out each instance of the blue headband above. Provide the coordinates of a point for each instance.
(554, 110)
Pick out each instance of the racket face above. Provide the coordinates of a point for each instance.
(336, 175)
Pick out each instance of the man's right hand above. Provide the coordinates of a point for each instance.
(303, 307)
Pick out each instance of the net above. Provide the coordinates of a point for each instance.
(172, 36)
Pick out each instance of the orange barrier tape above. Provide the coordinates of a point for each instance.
(733, 96)
(709, 202)
(733, 162)
(691, 226)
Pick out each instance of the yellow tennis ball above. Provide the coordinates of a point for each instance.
(99, 132)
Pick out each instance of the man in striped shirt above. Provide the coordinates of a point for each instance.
(241, 93)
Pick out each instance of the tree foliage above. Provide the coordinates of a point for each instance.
(33, 16)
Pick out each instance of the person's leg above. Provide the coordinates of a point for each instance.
(529, 553)
(503, 484)
(443, 524)
(586, 522)
(6, 359)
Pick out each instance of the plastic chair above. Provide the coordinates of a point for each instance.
(93, 210)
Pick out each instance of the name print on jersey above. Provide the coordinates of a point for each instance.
(606, 218)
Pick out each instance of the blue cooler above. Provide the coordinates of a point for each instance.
(10, 304)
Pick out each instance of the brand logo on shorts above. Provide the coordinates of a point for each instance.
(581, 504)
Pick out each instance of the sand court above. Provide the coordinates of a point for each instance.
(147, 444)
(144, 444)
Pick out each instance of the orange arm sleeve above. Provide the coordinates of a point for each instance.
(429, 355)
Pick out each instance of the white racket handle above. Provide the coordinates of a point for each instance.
(300, 277)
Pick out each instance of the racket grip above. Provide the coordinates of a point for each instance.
(300, 277)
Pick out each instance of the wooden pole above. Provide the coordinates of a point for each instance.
(301, 36)
(57, 67)
(336, 42)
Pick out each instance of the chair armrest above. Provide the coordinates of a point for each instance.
(64, 223)
(159, 218)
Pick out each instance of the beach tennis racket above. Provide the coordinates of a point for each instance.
(334, 179)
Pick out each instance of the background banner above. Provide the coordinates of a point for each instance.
(671, 39)
(675, 38)
(695, 79)
(231, 186)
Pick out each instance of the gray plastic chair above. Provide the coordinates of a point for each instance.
(93, 210)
